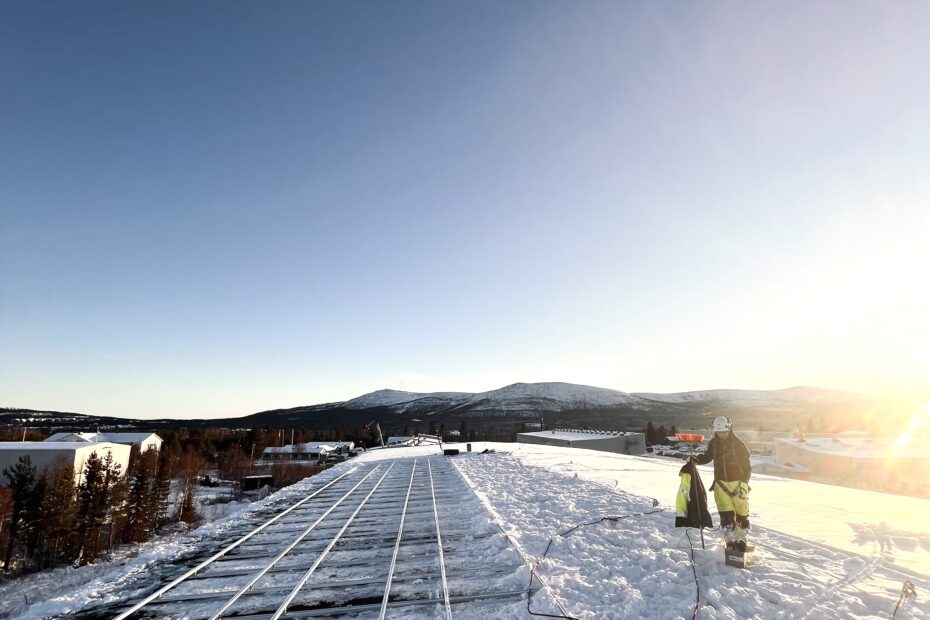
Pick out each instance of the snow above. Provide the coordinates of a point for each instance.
(562, 392)
(508, 396)
(37, 446)
(384, 398)
(822, 551)
(572, 435)
(750, 397)
(878, 448)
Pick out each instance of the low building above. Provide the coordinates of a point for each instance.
(305, 452)
(145, 441)
(619, 442)
(397, 440)
(48, 455)
(857, 460)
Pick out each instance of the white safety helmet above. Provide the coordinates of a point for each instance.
(722, 424)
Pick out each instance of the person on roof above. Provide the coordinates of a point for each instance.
(731, 480)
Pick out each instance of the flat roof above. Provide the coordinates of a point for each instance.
(50, 446)
(570, 435)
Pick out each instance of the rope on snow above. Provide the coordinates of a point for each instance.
(533, 573)
(907, 591)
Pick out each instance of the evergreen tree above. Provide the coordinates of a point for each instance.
(650, 433)
(21, 479)
(99, 478)
(162, 488)
(139, 514)
(56, 514)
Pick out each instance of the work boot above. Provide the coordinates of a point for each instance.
(729, 537)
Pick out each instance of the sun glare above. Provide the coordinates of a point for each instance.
(916, 423)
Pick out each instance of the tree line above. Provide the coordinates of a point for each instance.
(56, 515)
(657, 435)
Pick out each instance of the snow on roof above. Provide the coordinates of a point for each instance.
(63, 436)
(114, 437)
(133, 437)
(576, 435)
(307, 447)
(794, 515)
(49, 446)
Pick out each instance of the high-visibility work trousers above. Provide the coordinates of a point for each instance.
(736, 501)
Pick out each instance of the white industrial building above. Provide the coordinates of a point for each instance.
(47, 455)
(145, 441)
(620, 442)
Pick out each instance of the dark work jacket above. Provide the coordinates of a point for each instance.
(697, 513)
(730, 457)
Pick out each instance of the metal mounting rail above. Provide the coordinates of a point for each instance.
(382, 538)
(151, 597)
(300, 584)
(232, 600)
(331, 585)
(400, 533)
(355, 609)
(442, 561)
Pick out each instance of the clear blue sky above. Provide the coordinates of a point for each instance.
(215, 208)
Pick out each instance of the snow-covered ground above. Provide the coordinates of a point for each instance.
(823, 551)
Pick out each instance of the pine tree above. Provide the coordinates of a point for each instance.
(162, 488)
(56, 514)
(93, 505)
(21, 479)
(661, 434)
(650, 433)
(191, 464)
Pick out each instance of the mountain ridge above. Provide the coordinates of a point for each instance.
(518, 403)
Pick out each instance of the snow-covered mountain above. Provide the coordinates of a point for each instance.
(557, 402)
(573, 404)
(516, 397)
(557, 396)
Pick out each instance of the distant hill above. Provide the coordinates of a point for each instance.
(557, 403)
(581, 405)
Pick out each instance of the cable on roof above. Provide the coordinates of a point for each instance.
(534, 575)
(907, 591)
(697, 584)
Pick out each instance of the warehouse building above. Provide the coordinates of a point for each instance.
(620, 442)
(145, 441)
(48, 455)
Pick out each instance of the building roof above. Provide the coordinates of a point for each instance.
(567, 434)
(61, 436)
(307, 447)
(34, 446)
(96, 437)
